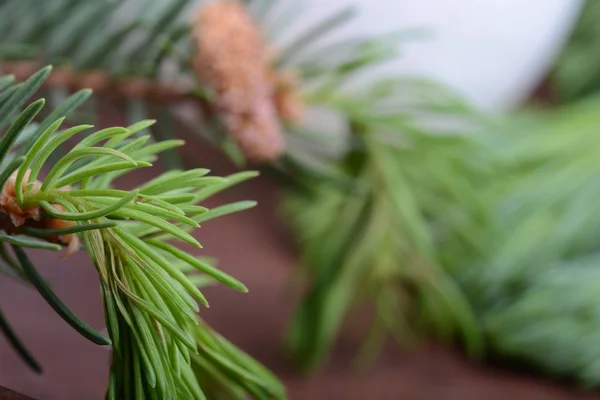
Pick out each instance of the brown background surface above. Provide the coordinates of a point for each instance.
(255, 247)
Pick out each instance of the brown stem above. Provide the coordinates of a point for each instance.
(100, 82)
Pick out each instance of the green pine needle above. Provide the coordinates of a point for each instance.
(34, 277)
(19, 347)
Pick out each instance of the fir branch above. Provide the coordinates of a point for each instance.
(535, 292)
(378, 242)
(102, 83)
(150, 304)
(577, 70)
(158, 55)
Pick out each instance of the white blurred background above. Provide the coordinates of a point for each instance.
(494, 52)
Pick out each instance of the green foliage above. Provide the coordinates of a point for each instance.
(149, 300)
(488, 239)
(536, 292)
(505, 219)
(134, 32)
(151, 39)
(229, 372)
(577, 70)
(413, 192)
(140, 39)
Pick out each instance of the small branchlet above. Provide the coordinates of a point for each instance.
(149, 299)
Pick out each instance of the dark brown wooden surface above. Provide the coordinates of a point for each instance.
(7, 394)
(255, 247)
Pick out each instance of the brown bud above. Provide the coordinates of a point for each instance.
(32, 215)
(232, 61)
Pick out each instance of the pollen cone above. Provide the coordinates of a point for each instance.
(232, 61)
